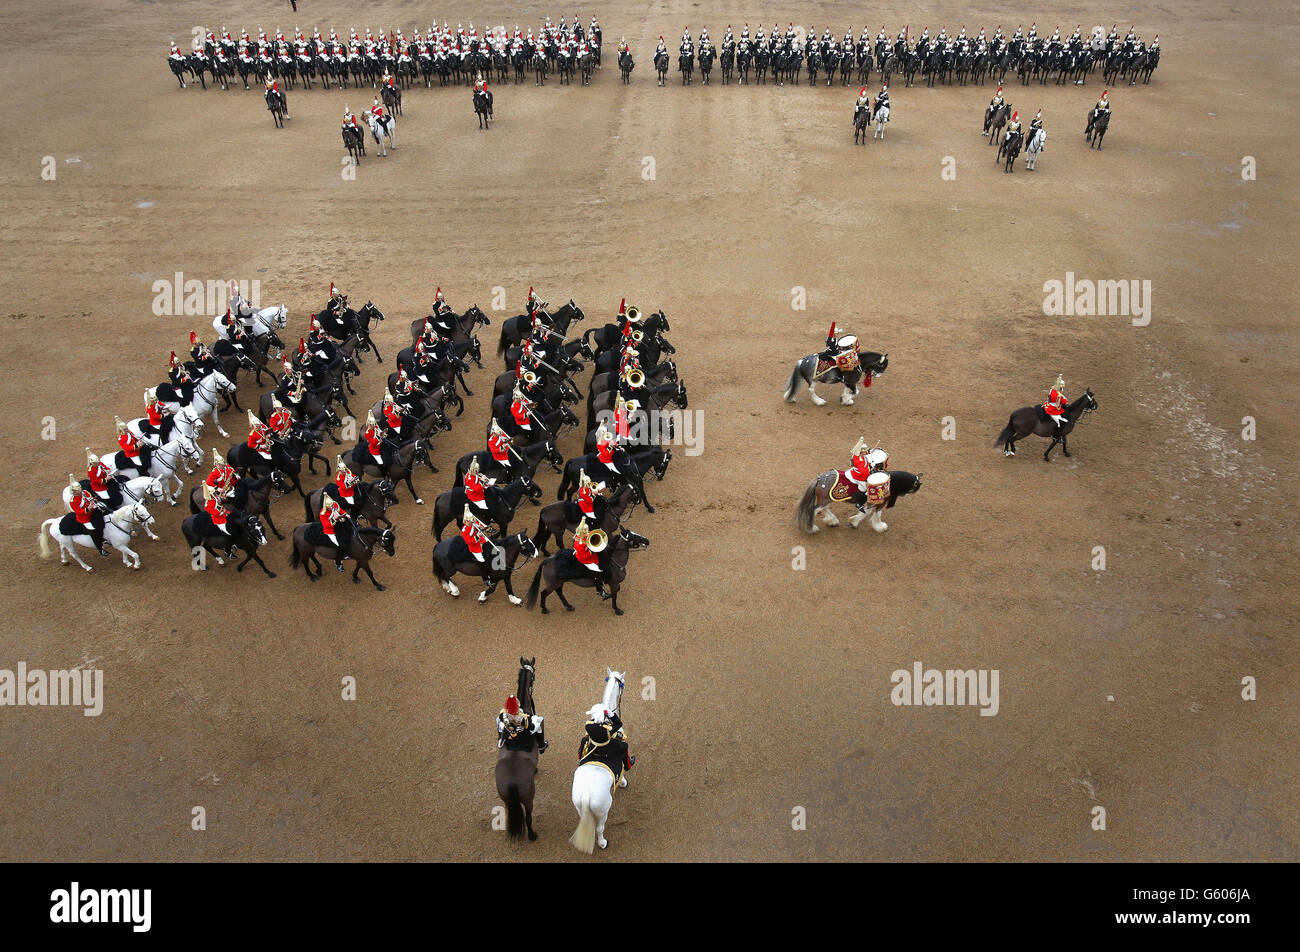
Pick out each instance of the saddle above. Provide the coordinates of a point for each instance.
(843, 490)
(69, 526)
(844, 363)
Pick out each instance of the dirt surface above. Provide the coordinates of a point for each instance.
(1118, 688)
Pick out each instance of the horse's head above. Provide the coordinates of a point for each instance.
(140, 514)
(634, 540)
(387, 491)
(253, 527)
(613, 690)
(279, 482)
(529, 551)
(553, 456)
(531, 489)
(661, 467)
(388, 541)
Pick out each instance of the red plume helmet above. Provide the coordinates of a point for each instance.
(622, 307)
(302, 345)
(194, 338)
(512, 705)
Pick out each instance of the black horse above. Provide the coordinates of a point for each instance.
(483, 107)
(1098, 123)
(1034, 421)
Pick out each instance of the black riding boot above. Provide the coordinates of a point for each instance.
(97, 537)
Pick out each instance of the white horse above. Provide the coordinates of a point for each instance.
(261, 322)
(168, 460)
(118, 529)
(593, 784)
(882, 117)
(1034, 148)
(144, 489)
(381, 132)
(204, 399)
(185, 422)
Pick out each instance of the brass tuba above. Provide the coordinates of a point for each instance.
(597, 540)
(633, 314)
(635, 379)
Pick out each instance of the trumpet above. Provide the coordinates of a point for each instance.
(597, 540)
(530, 378)
(633, 314)
(635, 379)
(637, 337)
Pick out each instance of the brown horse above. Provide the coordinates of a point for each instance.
(1028, 421)
(818, 497)
(308, 540)
(517, 769)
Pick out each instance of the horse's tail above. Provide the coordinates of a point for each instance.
(803, 516)
(501, 342)
(1007, 433)
(584, 837)
(530, 600)
(294, 558)
(43, 537)
(792, 388)
(306, 505)
(514, 813)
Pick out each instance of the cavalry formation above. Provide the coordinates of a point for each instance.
(631, 396)
(798, 55)
(449, 57)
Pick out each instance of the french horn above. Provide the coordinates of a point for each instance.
(597, 540)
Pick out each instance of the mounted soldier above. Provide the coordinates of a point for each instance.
(588, 544)
(88, 512)
(519, 730)
(103, 485)
(343, 490)
(474, 532)
(1055, 406)
(605, 743)
(135, 453)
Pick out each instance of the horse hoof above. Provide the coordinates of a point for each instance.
(515, 600)
(567, 608)
(482, 597)
(89, 569)
(419, 502)
(618, 611)
(531, 836)
(602, 842)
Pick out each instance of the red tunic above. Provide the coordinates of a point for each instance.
(1056, 403)
(155, 412)
(474, 490)
(519, 410)
(587, 501)
(84, 506)
(498, 446)
(582, 553)
(328, 519)
(394, 417)
(257, 440)
(97, 474)
(129, 446)
(221, 478)
(860, 469)
(473, 537)
(346, 486)
(605, 450)
(281, 420)
(215, 512)
(374, 440)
